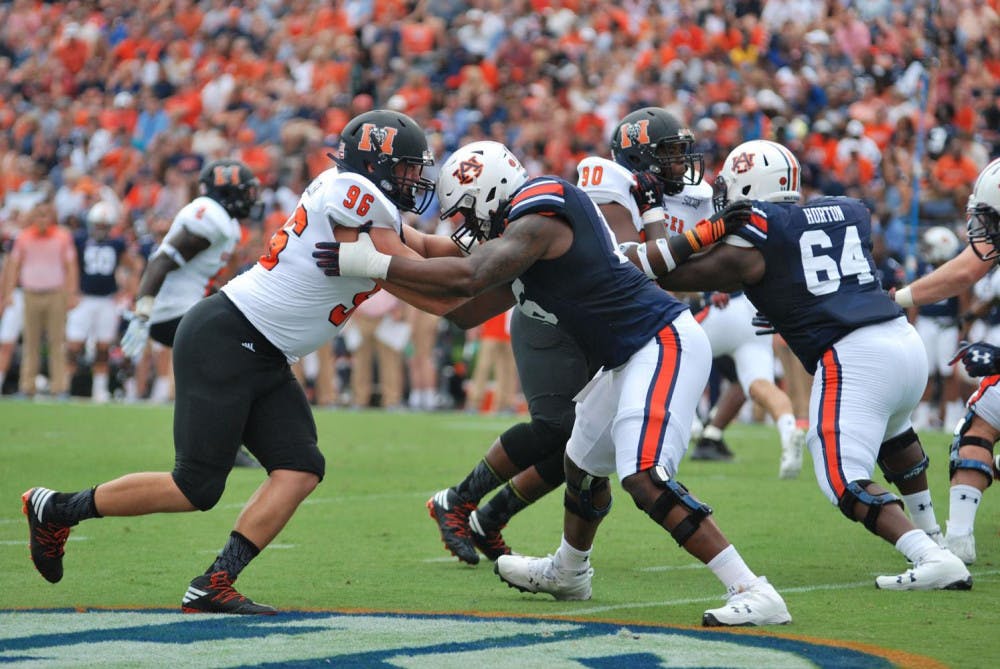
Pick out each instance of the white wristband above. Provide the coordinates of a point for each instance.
(654, 215)
(644, 261)
(668, 257)
(904, 297)
(144, 307)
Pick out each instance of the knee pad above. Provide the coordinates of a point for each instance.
(584, 489)
(900, 443)
(527, 444)
(675, 493)
(855, 492)
(202, 489)
(956, 462)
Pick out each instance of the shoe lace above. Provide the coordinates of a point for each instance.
(223, 587)
(53, 537)
(457, 520)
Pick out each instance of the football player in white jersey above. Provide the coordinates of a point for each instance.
(972, 465)
(650, 142)
(231, 358)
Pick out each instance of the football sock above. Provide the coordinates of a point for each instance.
(69, 508)
(785, 425)
(962, 509)
(235, 555)
(711, 432)
(480, 481)
(498, 511)
(571, 559)
(915, 544)
(729, 567)
(922, 511)
(100, 382)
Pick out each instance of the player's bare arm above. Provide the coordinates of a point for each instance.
(948, 280)
(724, 267)
(175, 251)
(429, 245)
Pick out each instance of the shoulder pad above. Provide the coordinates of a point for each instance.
(605, 181)
(204, 217)
(348, 199)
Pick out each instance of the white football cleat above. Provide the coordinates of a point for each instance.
(938, 538)
(963, 546)
(757, 603)
(791, 455)
(940, 570)
(531, 574)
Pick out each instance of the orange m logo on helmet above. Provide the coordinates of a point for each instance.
(468, 170)
(226, 175)
(637, 133)
(743, 163)
(374, 138)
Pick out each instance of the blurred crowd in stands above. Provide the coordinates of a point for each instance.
(896, 102)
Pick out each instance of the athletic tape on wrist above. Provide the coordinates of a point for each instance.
(668, 257)
(641, 251)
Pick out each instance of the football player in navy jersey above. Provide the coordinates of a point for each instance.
(809, 270)
(937, 324)
(653, 166)
(972, 467)
(548, 250)
(101, 256)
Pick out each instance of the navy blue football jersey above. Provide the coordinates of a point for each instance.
(98, 262)
(820, 279)
(946, 308)
(605, 302)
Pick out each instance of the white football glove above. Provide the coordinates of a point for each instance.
(134, 340)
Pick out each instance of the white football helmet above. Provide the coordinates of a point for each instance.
(983, 211)
(758, 170)
(939, 245)
(477, 181)
(101, 218)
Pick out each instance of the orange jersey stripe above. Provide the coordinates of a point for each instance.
(758, 222)
(701, 315)
(658, 398)
(984, 385)
(541, 189)
(829, 415)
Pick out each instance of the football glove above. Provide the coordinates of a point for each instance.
(359, 258)
(980, 359)
(137, 334)
(647, 191)
(710, 230)
(763, 324)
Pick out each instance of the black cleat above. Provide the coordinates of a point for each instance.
(711, 449)
(214, 593)
(489, 541)
(47, 538)
(452, 515)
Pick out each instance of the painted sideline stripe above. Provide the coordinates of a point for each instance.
(783, 591)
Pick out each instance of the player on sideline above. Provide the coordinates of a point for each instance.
(809, 271)
(547, 241)
(232, 353)
(100, 256)
(550, 363)
(971, 465)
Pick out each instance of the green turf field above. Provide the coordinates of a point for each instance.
(364, 540)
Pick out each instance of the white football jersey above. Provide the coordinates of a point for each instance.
(284, 295)
(184, 286)
(606, 181)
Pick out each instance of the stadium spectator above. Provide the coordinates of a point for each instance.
(494, 359)
(384, 333)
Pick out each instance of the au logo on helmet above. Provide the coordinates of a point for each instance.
(743, 163)
(468, 170)
(375, 138)
(637, 133)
